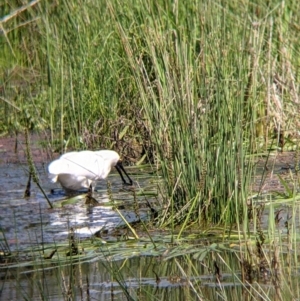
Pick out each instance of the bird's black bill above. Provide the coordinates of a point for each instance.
(120, 169)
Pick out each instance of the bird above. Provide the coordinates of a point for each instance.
(81, 169)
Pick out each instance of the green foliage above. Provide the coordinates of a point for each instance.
(196, 113)
(192, 85)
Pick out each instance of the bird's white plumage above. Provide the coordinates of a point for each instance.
(76, 170)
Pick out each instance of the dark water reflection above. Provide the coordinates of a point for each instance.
(144, 278)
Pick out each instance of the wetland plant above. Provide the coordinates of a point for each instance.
(189, 87)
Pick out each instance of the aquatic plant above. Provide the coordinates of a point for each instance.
(195, 88)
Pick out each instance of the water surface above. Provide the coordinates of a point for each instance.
(29, 221)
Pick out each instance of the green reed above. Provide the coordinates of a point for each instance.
(196, 87)
(189, 85)
(192, 83)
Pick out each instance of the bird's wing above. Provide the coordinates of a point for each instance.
(85, 164)
(69, 154)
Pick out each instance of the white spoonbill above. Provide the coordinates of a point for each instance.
(76, 170)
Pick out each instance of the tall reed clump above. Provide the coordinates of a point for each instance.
(196, 73)
(189, 83)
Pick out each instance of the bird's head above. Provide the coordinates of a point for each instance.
(112, 158)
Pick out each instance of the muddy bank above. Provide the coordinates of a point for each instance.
(13, 149)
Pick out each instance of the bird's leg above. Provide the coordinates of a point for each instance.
(90, 191)
(89, 200)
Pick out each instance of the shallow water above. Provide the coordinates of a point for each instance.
(29, 221)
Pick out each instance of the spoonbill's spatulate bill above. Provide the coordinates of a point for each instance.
(76, 170)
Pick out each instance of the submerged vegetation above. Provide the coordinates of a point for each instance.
(195, 88)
